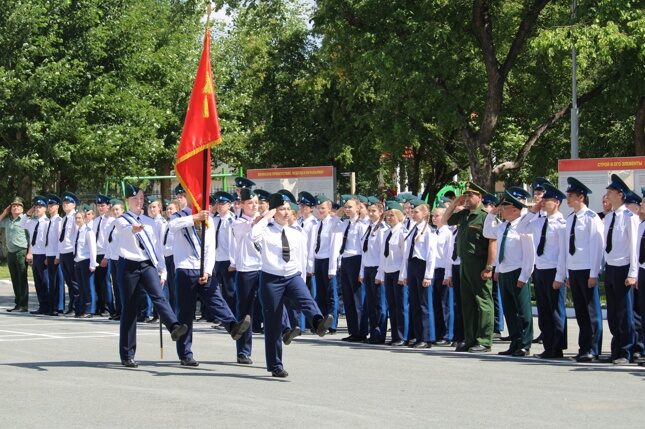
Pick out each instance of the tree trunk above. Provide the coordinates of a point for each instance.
(639, 128)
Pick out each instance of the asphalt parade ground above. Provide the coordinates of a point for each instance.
(65, 372)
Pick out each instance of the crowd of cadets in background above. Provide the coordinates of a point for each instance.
(370, 260)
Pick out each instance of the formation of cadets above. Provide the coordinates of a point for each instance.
(281, 265)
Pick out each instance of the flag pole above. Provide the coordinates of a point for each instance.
(206, 160)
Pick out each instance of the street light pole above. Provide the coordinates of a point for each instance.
(574, 90)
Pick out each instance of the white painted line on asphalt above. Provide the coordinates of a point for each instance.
(29, 333)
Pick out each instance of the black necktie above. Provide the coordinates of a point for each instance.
(165, 236)
(412, 242)
(320, 227)
(610, 234)
(641, 254)
(502, 246)
(139, 241)
(78, 233)
(111, 232)
(572, 236)
(286, 252)
(386, 252)
(367, 237)
(33, 239)
(540, 248)
(454, 246)
(62, 231)
(342, 246)
(217, 233)
(47, 235)
(98, 228)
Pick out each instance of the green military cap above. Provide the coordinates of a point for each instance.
(114, 201)
(416, 202)
(294, 206)
(373, 200)
(362, 198)
(473, 187)
(399, 199)
(406, 197)
(346, 197)
(17, 201)
(321, 198)
(510, 199)
(393, 205)
(88, 207)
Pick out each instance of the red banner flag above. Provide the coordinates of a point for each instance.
(200, 133)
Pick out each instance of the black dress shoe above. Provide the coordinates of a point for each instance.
(508, 352)
(508, 338)
(357, 339)
(116, 317)
(178, 331)
(69, 311)
(421, 345)
(397, 343)
(585, 357)
(153, 320)
(332, 331)
(461, 347)
(88, 316)
(324, 324)
(376, 341)
(290, 334)
(280, 373)
(522, 352)
(479, 349)
(53, 313)
(9, 310)
(442, 343)
(189, 362)
(244, 360)
(240, 327)
(21, 310)
(549, 355)
(36, 312)
(347, 338)
(129, 363)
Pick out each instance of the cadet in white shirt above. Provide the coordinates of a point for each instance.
(192, 282)
(142, 268)
(37, 223)
(113, 254)
(583, 257)
(102, 226)
(417, 270)
(85, 264)
(372, 249)
(283, 276)
(167, 241)
(388, 274)
(548, 236)
(621, 270)
(321, 262)
(442, 295)
(54, 271)
(515, 260)
(224, 272)
(351, 231)
(66, 249)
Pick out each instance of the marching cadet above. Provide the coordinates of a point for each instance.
(248, 265)
(621, 270)
(191, 283)
(224, 271)
(583, 255)
(113, 254)
(391, 259)
(442, 295)
(167, 241)
(101, 226)
(85, 264)
(66, 249)
(283, 273)
(352, 230)
(321, 262)
(307, 221)
(549, 233)
(515, 259)
(37, 223)
(477, 254)
(153, 210)
(54, 271)
(142, 269)
(417, 271)
(372, 249)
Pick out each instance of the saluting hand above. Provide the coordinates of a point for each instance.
(6, 211)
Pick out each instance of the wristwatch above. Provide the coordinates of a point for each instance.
(488, 267)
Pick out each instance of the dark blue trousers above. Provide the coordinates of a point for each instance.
(459, 335)
(84, 277)
(586, 302)
(69, 274)
(325, 293)
(137, 276)
(639, 345)
(273, 291)
(101, 287)
(498, 309)
(421, 314)
(188, 289)
(376, 305)
(248, 284)
(443, 303)
(353, 296)
(397, 303)
(56, 291)
(552, 317)
(620, 311)
(117, 282)
(170, 283)
(640, 297)
(226, 282)
(41, 283)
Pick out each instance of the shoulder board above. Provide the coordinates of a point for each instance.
(296, 227)
(270, 224)
(591, 213)
(629, 213)
(562, 220)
